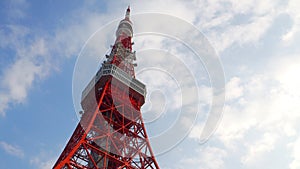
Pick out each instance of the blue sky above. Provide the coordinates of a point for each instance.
(257, 43)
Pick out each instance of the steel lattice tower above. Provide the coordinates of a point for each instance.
(111, 133)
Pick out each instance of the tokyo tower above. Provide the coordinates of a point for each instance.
(111, 133)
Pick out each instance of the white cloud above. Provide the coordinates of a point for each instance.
(295, 164)
(234, 88)
(12, 149)
(207, 158)
(4, 100)
(35, 55)
(268, 106)
(228, 22)
(31, 63)
(286, 74)
(19, 77)
(44, 159)
(16, 9)
(266, 100)
(42, 162)
(293, 11)
(259, 148)
(261, 111)
(196, 131)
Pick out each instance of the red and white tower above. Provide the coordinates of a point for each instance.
(111, 133)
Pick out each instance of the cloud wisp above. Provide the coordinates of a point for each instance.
(12, 149)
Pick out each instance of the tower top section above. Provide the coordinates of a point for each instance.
(120, 63)
(125, 27)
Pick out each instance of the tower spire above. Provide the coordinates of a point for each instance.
(127, 13)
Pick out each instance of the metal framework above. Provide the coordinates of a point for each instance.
(111, 133)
